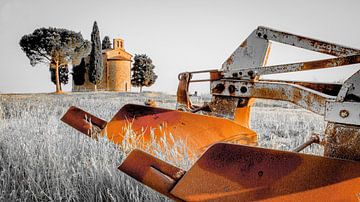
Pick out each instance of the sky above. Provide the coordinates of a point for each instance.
(183, 35)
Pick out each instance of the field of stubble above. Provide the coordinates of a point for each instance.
(42, 159)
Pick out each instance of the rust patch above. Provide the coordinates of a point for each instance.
(329, 89)
(223, 106)
(243, 44)
(230, 61)
(342, 141)
(297, 96)
(333, 62)
(266, 93)
(183, 98)
(215, 75)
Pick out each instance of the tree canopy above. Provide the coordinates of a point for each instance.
(56, 46)
(96, 62)
(78, 73)
(106, 43)
(143, 71)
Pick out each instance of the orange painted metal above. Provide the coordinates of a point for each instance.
(242, 114)
(151, 171)
(80, 120)
(183, 97)
(229, 172)
(197, 131)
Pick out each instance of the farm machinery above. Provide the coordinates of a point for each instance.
(231, 167)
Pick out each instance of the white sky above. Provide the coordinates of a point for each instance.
(181, 35)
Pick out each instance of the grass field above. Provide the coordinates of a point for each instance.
(42, 159)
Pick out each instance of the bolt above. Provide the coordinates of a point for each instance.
(344, 113)
(243, 89)
(242, 102)
(260, 173)
(232, 89)
(219, 88)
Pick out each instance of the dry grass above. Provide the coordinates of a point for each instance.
(162, 145)
(42, 159)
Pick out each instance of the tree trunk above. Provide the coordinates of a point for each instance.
(95, 87)
(140, 89)
(58, 88)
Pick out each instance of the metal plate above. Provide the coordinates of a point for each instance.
(152, 172)
(80, 120)
(343, 112)
(228, 172)
(198, 131)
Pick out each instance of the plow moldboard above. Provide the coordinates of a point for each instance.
(198, 131)
(228, 172)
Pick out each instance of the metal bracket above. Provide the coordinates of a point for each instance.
(343, 112)
(343, 92)
(307, 98)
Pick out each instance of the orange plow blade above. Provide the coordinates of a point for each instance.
(197, 131)
(151, 171)
(82, 120)
(228, 172)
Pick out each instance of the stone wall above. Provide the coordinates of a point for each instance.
(119, 75)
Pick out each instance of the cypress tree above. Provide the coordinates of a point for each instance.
(106, 44)
(143, 72)
(96, 63)
(79, 73)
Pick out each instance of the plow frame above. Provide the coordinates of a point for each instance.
(239, 80)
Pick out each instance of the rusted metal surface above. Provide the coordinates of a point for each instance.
(313, 139)
(307, 98)
(353, 94)
(151, 171)
(342, 141)
(183, 98)
(305, 42)
(223, 106)
(243, 68)
(215, 75)
(198, 131)
(82, 120)
(150, 103)
(300, 66)
(227, 172)
(326, 88)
